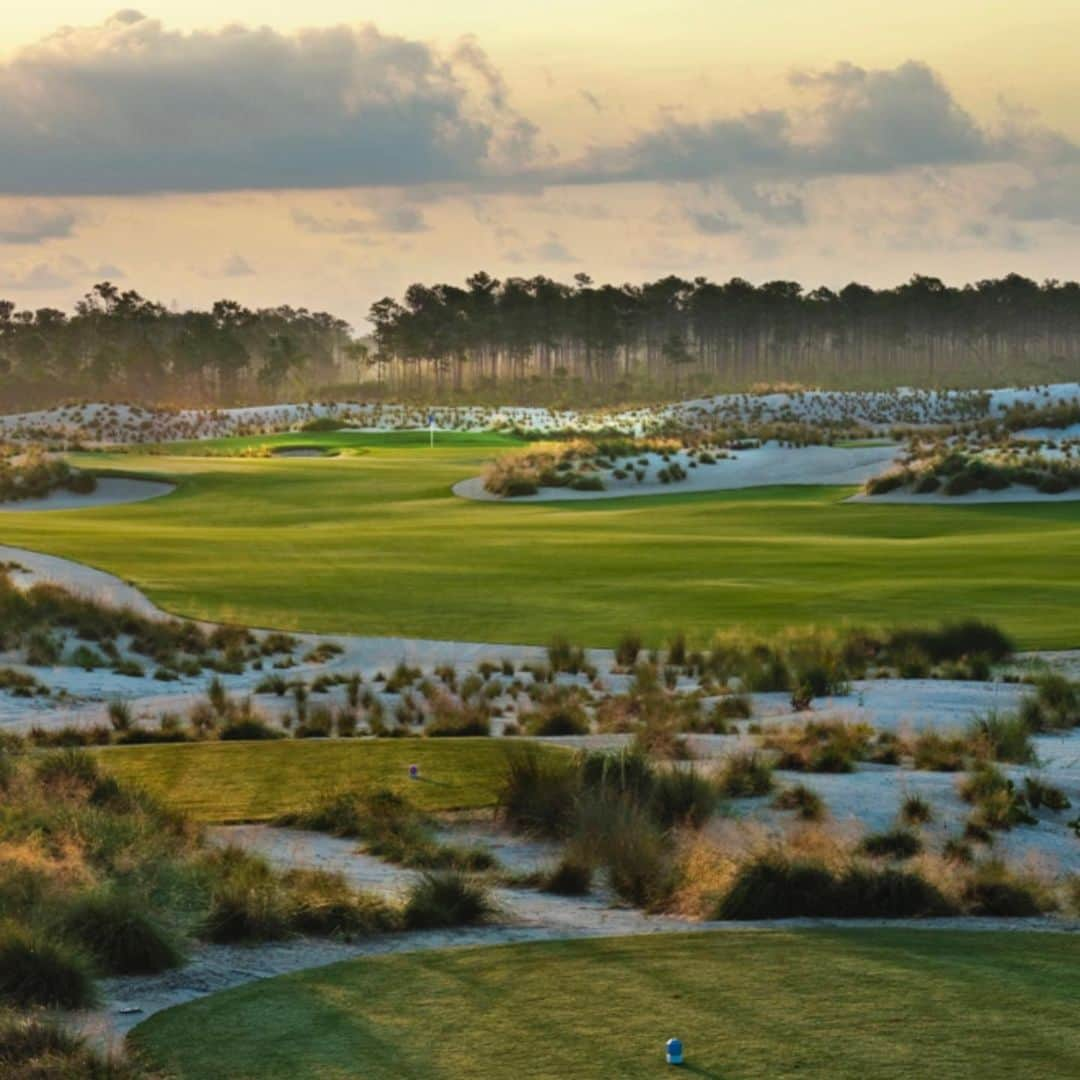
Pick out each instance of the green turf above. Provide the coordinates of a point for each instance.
(859, 1003)
(377, 544)
(255, 781)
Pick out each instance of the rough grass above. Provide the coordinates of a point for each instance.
(819, 1004)
(257, 781)
(384, 536)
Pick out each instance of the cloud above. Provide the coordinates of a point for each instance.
(551, 250)
(129, 106)
(32, 224)
(712, 222)
(1053, 196)
(853, 121)
(591, 100)
(394, 219)
(236, 266)
(57, 274)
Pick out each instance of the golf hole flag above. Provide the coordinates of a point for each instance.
(431, 426)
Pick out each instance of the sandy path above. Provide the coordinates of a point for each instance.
(526, 916)
(764, 466)
(110, 491)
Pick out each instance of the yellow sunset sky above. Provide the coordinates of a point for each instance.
(208, 149)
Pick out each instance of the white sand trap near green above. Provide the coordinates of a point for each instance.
(763, 466)
(110, 491)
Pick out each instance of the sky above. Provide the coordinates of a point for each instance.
(327, 154)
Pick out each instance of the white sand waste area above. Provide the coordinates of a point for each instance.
(763, 466)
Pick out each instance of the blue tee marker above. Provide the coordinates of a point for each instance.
(674, 1051)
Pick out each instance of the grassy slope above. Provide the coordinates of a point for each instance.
(376, 544)
(858, 1003)
(238, 781)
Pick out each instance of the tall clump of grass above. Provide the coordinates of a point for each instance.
(1002, 737)
(538, 791)
(746, 774)
(446, 899)
(38, 969)
(118, 930)
(35, 1047)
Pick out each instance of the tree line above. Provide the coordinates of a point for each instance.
(673, 331)
(119, 345)
(541, 339)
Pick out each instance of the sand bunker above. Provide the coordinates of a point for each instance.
(110, 491)
(763, 466)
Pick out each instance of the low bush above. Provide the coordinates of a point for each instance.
(1040, 795)
(895, 844)
(915, 810)
(571, 876)
(745, 774)
(807, 803)
(1002, 737)
(34, 1047)
(996, 890)
(446, 899)
(115, 927)
(40, 969)
(538, 791)
(775, 886)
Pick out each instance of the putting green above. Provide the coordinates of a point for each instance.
(375, 543)
(748, 1006)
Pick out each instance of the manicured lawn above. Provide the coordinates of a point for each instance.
(256, 781)
(859, 1003)
(377, 544)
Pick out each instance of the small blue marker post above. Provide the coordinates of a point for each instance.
(414, 772)
(674, 1051)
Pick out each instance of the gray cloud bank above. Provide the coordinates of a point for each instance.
(130, 107)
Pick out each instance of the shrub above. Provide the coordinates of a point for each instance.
(682, 797)
(629, 844)
(460, 722)
(322, 902)
(36, 1048)
(745, 774)
(774, 886)
(68, 766)
(567, 718)
(733, 707)
(319, 724)
(571, 876)
(935, 752)
(1040, 794)
(39, 969)
(116, 929)
(896, 844)
(995, 890)
(1002, 737)
(246, 902)
(915, 810)
(445, 899)
(1055, 706)
(250, 729)
(808, 804)
(627, 650)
